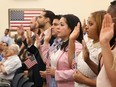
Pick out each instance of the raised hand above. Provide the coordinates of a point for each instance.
(85, 52)
(21, 30)
(84, 26)
(48, 36)
(107, 31)
(28, 33)
(29, 39)
(75, 33)
(73, 36)
(38, 39)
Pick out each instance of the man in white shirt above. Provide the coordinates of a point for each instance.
(10, 64)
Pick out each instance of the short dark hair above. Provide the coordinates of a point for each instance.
(57, 17)
(49, 14)
(112, 7)
(6, 43)
(7, 29)
(113, 2)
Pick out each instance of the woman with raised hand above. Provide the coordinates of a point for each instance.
(62, 72)
(84, 76)
(107, 75)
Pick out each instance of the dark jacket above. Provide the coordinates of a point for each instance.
(36, 78)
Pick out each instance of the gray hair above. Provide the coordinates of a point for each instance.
(15, 48)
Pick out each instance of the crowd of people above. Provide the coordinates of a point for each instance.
(68, 53)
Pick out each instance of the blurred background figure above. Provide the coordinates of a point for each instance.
(6, 38)
(1, 50)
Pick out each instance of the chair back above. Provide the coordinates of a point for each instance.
(16, 79)
(28, 84)
(22, 81)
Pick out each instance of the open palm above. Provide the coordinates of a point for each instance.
(75, 32)
(21, 30)
(107, 30)
(48, 35)
(38, 39)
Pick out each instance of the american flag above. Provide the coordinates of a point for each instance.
(19, 17)
(31, 61)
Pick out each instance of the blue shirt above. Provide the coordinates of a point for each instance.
(6, 39)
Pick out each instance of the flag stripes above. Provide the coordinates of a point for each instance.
(19, 17)
(30, 62)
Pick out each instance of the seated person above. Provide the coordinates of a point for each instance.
(9, 64)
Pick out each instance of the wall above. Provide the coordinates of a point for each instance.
(81, 8)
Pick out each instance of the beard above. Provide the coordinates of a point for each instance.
(33, 27)
(41, 25)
